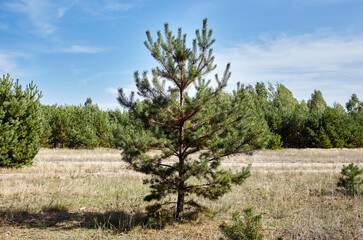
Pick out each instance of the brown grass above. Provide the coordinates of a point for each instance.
(83, 194)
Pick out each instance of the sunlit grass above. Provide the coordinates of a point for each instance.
(82, 194)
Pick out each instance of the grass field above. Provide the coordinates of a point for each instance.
(83, 194)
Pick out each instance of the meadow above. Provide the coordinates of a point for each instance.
(92, 194)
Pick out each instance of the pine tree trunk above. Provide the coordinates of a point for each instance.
(180, 207)
(180, 203)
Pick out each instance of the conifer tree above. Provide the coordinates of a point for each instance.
(20, 123)
(210, 123)
(317, 102)
(354, 105)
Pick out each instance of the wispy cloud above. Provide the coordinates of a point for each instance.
(303, 63)
(107, 9)
(82, 49)
(42, 13)
(61, 10)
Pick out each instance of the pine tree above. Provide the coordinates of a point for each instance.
(334, 125)
(280, 112)
(354, 105)
(354, 122)
(20, 123)
(317, 102)
(88, 102)
(210, 123)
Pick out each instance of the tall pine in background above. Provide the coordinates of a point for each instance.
(191, 132)
(20, 123)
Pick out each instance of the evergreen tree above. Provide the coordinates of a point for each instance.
(317, 102)
(354, 122)
(316, 134)
(261, 90)
(88, 102)
(209, 123)
(117, 120)
(20, 123)
(82, 132)
(297, 136)
(60, 122)
(350, 179)
(354, 105)
(46, 137)
(334, 125)
(279, 113)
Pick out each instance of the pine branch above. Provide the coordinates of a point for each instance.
(196, 126)
(125, 101)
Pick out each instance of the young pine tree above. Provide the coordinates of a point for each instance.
(20, 123)
(211, 123)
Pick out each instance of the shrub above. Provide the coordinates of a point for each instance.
(274, 142)
(247, 229)
(20, 122)
(350, 180)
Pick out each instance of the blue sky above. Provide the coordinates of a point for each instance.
(74, 49)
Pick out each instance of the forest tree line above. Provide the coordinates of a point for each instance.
(286, 122)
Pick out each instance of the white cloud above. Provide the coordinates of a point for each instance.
(37, 11)
(106, 9)
(82, 49)
(61, 11)
(42, 13)
(330, 63)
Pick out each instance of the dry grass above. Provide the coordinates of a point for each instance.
(83, 194)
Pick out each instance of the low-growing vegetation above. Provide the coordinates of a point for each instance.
(351, 180)
(248, 228)
(88, 194)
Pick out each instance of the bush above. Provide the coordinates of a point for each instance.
(20, 123)
(274, 142)
(247, 229)
(350, 180)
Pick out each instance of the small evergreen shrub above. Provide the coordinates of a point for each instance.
(247, 229)
(350, 180)
(274, 142)
(20, 122)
